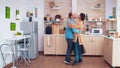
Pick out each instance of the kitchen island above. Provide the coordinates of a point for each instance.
(111, 51)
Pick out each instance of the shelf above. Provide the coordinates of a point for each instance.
(112, 20)
(94, 21)
(96, 8)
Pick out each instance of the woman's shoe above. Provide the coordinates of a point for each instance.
(80, 60)
(75, 63)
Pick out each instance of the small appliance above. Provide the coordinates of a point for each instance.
(97, 31)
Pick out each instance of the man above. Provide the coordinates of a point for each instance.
(69, 37)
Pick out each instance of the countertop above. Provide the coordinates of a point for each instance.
(113, 38)
(83, 35)
(64, 35)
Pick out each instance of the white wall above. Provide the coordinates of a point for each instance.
(109, 7)
(5, 23)
(118, 16)
(30, 6)
(23, 6)
(74, 6)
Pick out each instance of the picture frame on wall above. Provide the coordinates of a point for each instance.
(12, 26)
(17, 14)
(7, 12)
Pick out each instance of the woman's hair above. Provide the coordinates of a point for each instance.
(82, 15)
(70, 14)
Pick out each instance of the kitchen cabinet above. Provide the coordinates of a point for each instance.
(111, 51)
(49, 44)
(88, 43)
(61, 45)
(56, 44)
(93, 45)
(99, 45)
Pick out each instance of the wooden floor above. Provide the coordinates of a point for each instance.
(43, 61)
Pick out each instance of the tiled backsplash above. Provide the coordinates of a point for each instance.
(85, 6)
(93, 24)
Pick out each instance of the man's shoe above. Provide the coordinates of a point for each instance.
(67, 62)
(71, 60)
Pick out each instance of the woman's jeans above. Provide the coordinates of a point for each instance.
(69, 49)
(78, 55)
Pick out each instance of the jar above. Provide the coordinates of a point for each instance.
(116, 35)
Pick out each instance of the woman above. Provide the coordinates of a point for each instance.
(78, 38)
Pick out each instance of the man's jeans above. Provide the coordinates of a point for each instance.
(70, 48)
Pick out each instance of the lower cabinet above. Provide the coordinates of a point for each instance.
(111, 52)
(49, 45)
(93, 45)
(61, 45)
(57, 44)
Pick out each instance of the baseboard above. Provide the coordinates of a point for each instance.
(41, 51)
(8, 65)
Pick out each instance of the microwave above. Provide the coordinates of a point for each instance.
(97, 31)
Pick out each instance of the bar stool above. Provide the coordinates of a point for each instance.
(6, 53)
(24, 51)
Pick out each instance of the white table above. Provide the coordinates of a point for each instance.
(14, 41)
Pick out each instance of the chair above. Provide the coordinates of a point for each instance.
(6, 53)
(24, 51)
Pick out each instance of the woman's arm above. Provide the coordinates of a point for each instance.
(75, 25)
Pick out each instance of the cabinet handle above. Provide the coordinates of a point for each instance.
(48, 41)
(92, 39)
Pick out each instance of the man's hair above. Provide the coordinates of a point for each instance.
(70, 14)
(82, 15)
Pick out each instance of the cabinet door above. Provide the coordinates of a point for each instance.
(88, 44)
(61, 45)
(64, 46)
(49, 45)
(92, 45)
(108, 50)
(116, 53)
(105, 48)
(99, 45)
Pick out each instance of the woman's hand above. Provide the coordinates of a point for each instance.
(70, 25)
(84, 29)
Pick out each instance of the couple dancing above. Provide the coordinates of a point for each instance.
(73, 29)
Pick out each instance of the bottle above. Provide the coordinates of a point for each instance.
(116, 35)
(48, 17)
(86, 17)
